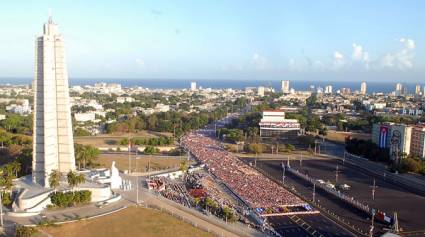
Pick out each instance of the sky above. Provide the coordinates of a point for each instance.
(223, 39)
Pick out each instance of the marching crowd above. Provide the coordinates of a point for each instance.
(250, 185)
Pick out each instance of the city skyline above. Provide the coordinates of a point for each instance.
(278, 41)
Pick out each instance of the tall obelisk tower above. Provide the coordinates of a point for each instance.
(53, 143)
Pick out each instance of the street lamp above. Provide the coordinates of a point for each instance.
(137, 181)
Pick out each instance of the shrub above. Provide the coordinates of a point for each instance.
(25, 231)
(151, 150)
(67, 199)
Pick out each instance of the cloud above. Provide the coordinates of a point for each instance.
(259, 62)
(401, 59)
(408, 43)
(140, 62)
(338, 61)
(338, 55)
(305, 63)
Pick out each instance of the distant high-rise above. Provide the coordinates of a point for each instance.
(363, 88)
(193, 86)
(260, 91)
(418, 89)
(398, 89)
(328, 89)
(53, 143)
(285, 86)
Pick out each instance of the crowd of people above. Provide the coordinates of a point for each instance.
(176, 192)
(249, 184)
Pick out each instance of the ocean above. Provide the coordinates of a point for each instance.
(385, 87)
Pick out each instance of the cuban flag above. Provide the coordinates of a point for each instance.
(383, 136)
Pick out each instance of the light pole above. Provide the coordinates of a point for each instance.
(301, 158)
(373, 189)
(283, 173)
(129, 155)
(336, 174)
(372, 225)
(137, 182)
(1, 208)
(314, 192)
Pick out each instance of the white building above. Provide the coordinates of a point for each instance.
(53, 144)
(363, 88)
(418, 89)
(193, 86)
(260, 91)
(274, 124)
(162, 108)
(328, 89)
(85, 117)
(23, 108)
(122, 100)
(285, 86)
(398, 89)
(2, 117)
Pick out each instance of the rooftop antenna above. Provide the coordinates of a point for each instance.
(50, 16)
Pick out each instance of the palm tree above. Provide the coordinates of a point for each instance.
(79, 154)
(85, 155)
(54, 179)
(75, 179)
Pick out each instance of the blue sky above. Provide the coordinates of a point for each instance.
(223, 39)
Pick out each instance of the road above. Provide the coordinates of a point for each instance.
(388, 197)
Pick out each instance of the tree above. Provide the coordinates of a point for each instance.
(290, 147)
(74, 179)
(150, 150)
(256, 148)
(54, 179)
(228, 214)
(85, 155)
(183, 166)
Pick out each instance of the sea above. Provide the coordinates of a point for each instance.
(372, 87)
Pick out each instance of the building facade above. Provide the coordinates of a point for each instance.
(53, 143)
(193, 86)
(417, 145)
(274, 124)
(381, 134)
(363, 88)
(285, 86)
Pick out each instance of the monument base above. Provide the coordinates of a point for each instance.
(32, 198)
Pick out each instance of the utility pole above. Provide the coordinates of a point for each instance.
(314, 192)
(277, 146)
(288, 162)
(137, 182)
(301, 158)
(396, 227)
(129, 155)
(1, 209)
(373, 189)
(283, 173)
(372, 225)
(336, 174)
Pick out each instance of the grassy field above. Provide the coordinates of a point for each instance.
(156, 162)
(340, 136)
(129, 222)
(112, 140)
